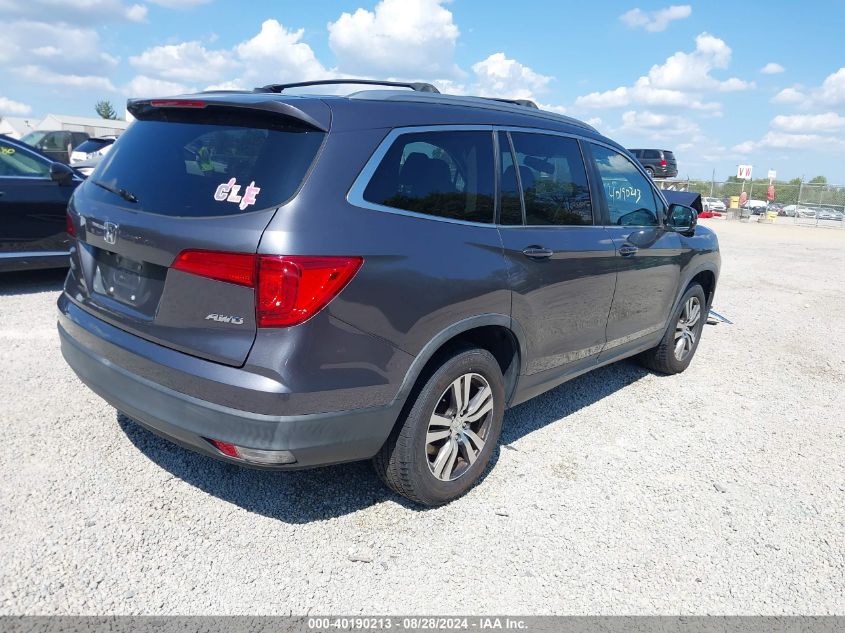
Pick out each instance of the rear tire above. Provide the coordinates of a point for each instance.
(442, 446)
(650, 172)
(675, 351)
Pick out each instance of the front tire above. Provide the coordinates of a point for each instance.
(442, 446)
(675, 351)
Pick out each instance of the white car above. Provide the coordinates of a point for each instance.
(92, 149)
(755, 204)
(713, 204)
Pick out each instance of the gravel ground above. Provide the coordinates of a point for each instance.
(717, 491)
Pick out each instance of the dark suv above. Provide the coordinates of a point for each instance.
(658, 163)
(291, 281)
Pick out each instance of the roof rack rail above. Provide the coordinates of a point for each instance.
(520, 102)
(413, 85)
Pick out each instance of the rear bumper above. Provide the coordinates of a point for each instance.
(665, 172)
(314, 439)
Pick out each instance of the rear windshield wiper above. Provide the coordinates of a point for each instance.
(126, 195)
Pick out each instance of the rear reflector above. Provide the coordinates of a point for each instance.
(289, 289)
(69, 227)
(234, 268)
(227, 449)
(254, 455)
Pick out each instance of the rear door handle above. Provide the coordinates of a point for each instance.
(537, 252)
(626, 250)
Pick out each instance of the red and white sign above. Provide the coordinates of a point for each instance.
(770, 193)
(743, 172)
(743, 198)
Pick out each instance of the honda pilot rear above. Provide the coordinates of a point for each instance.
(167, 289)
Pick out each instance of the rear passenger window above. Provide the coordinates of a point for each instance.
(447, 174)
(553, 178)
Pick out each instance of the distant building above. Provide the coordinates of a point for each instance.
(16, 126)
(91, 125)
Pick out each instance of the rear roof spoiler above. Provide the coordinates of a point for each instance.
(143, 108)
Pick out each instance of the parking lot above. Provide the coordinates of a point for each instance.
(720, 490)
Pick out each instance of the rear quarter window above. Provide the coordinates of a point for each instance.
(446, 174)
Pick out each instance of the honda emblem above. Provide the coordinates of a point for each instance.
(110, 232)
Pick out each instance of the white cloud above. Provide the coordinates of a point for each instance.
(143, 86)
(616, 98)
(137, 13)
(654, 125)
(798, 123)
(277, 54)
(789, 95)
(188, 61)
(502, 77)
(679, 81)
(772, 68)
(57, 48)
(415, 38)
(832, 90)
(830, 93)
(746, 147)
(179, 4)
(498, 76)
(8, 106)
(655, 21)
(39, 74)
(787, 140)
(79, 12)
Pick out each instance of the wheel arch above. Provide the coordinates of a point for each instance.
(497, 333)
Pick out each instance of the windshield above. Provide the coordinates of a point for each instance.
(205, 169)
(33, 138)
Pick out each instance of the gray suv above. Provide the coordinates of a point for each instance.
(289, 281)
(658, 163)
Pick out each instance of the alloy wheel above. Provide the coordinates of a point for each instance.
(459, 426)
(685, 330)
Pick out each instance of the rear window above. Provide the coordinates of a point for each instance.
(447, 174)
(224, 166)
(668, 155)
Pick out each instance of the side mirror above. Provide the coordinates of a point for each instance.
(61, 173)
(682, 219)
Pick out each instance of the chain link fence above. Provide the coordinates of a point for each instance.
(802, 203)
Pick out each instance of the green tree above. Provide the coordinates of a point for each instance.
(795, 182)
(818, 180)
(106, 110)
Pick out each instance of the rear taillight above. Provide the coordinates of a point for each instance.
(289, 289)
(69, 227)
(663, 162)
(293, 289)
(234, 268)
